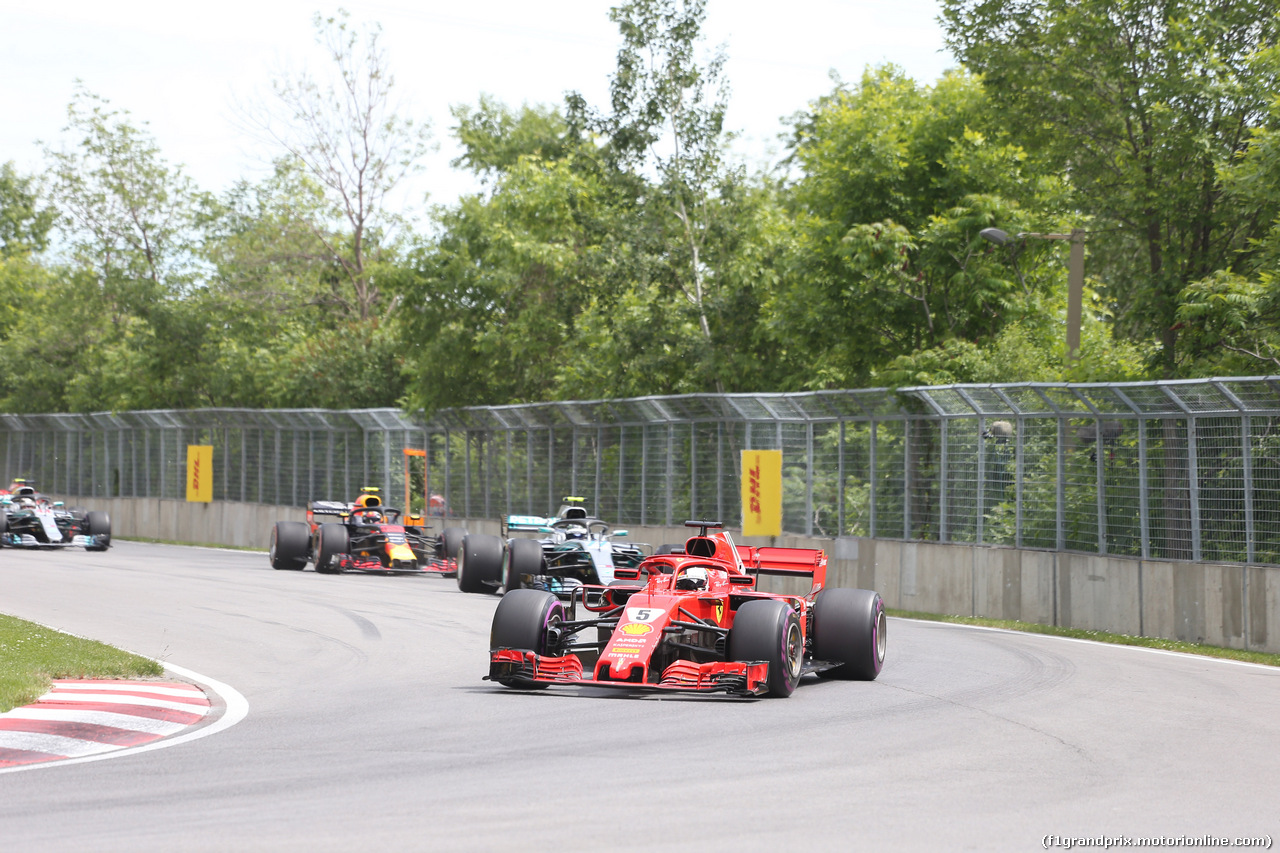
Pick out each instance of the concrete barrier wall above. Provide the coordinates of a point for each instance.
(1228, 605)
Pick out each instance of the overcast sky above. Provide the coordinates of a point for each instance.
(182, 66)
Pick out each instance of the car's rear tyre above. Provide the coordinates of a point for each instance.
(769, 630)
(331, 540)
(450, 542)
(479, 563)
(849, 626)
(290, 542)
(526, 619)
(524, 557)
(98, 525)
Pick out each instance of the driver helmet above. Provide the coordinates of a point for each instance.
(694, 578)
(372, 517)
(26, 503)
(575, 533)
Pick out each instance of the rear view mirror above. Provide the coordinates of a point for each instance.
(620, 533)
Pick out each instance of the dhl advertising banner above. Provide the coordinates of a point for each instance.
(200, 472)
(762, 493)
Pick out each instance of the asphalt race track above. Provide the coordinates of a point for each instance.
(369, 728)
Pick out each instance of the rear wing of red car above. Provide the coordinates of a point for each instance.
(786, 562)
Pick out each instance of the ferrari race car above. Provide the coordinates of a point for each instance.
(694, 622)
(575, 549)
(29, 519)
(364, 536)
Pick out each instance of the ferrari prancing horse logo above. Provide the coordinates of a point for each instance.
(719, 612)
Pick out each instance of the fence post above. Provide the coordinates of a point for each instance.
(1100, 479)
(1193, 483)
(1246, 449)
(982, 479)
(720, 470)
(873, 477)
(466, 472)
(1144, 510)
(693, 469)
(670, 468)
(942, 482)
(644, 476)
(1060, 491)
(906, 479)
(840, 483)
(595, 495)
(506, 510)
(448, 485)
(1020, 426)
(573, 460)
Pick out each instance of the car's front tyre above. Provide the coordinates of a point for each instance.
(290, 544)
(527, 620)
(98, 525)
(769, 630)
(479, 563)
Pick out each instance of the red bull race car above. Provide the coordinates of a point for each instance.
(692, 621)
(364, 536)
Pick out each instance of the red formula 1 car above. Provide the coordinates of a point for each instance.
(695, 622)
(364, 536)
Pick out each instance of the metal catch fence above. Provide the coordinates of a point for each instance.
(1184, 470)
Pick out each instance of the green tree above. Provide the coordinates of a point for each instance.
(667, 114)
(490, 301)
(346, 134)
(24, 231)
(1144, 105)
(896, 182)
(125, 336)
(24, 222)
(1229, 321)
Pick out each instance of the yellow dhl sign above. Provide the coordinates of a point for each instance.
(762, 493)
(200, 473)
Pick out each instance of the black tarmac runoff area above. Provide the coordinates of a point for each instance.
(369, 728)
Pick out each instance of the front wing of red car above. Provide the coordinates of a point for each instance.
(737, 678)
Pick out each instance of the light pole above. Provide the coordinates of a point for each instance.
(1075, 275)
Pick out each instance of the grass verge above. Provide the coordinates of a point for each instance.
(32, 655)
(1098, 636)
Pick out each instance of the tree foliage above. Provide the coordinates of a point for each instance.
(622, 250)
(1144, 105)
(348, 136)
